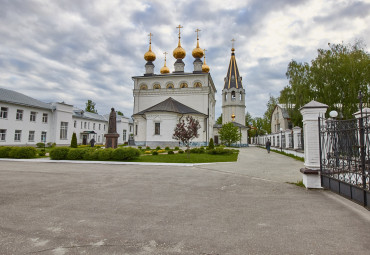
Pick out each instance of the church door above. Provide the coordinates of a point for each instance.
(84, 139)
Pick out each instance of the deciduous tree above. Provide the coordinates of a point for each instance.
(186, 130)
(229, 133)
(90, 106)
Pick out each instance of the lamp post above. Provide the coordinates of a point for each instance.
(362, 146)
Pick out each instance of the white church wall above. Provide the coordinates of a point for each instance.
(62, 114)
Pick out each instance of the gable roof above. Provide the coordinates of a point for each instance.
(10, 96)
(170, 105)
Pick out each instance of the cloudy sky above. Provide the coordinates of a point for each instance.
(72, 51)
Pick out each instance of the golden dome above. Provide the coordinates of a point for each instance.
(197, 52)
(205, 67)
(179, 52)
(165, 69)
(149, 55)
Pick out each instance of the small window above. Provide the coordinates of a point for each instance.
(63, 130)
(183, 85)
(94, 126)
(19, 115)
(17, 135)
(43, 136)
(33, 116)
(99, 126)
(85, 125)
(130, 128)
(88, 125)
(169, 86)
(2, 134)
(156, 86)
(44, 118)
(31, 136)
(98, 138)
(157, 128)
(143, 87)
(136, 129)
(81, 124)
(233, 95)
(75, 124)
(104, 127)
(197, 85)
(4, 113)
(124, 135)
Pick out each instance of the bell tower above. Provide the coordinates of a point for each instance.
(233, 93)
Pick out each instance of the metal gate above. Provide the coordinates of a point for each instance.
(345, 157)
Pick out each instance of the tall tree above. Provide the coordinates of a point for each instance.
(229, 133)
(119, 113)
(90, 106)
(248, 119)
(186, 131)
(334, 78)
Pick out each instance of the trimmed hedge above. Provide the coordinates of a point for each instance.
(220, 151)
(59, 153)
(197, 150)
(22, 152)
(4, 151)
(125, 154)
(170, 152)
(105, 154)
(75, 154)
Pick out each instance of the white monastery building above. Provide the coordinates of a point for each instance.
(27, 121)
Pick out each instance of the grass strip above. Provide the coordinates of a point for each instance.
(184, 158)
(285, 154)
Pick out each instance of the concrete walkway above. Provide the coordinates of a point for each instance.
(224, 208)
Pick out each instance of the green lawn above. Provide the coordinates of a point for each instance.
(184, 158)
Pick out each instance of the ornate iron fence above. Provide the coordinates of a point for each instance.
(283, 141)
(345, 157)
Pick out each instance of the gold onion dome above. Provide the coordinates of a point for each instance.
(205, 67)
(149, 55)
(179, 52)
(165, 69)
(197, 52)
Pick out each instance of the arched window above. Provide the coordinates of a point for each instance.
(183, 85)
(169, 86)
(232, 95)
(143, 87)
(197, 85)
(156, 86)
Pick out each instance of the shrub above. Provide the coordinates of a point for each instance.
(42, 153)
(147, 148)
(23, 152)
(4, 151)
(154, 153)
(187, 150)
(91, 154)
(59, 153)
(181, 151)
(139, 147)
(74, 140)
(197, 150)
(211, 145)
(52, 145)
(167, 148)
(158, 148)
(125, 153)
(148, 152)
(170, 152)
(161, 151)
(40, 145)
(177, 148)
(76, 154)
(105, 154)
(220, 151)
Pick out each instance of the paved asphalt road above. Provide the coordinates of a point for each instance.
(225, 208)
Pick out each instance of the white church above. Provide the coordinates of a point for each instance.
(161, 100)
